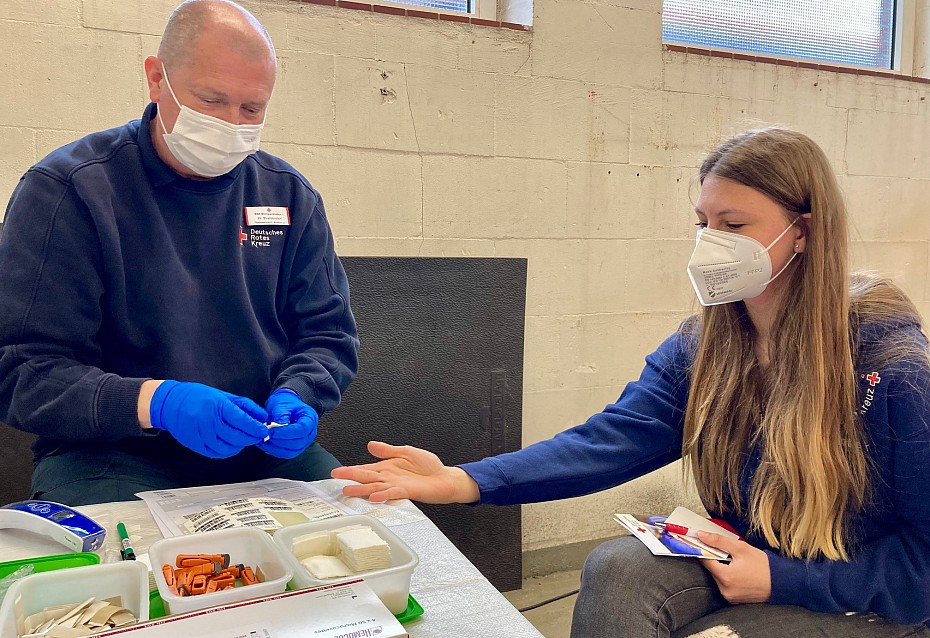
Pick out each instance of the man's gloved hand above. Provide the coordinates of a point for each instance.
(210, 422)
(299, 421)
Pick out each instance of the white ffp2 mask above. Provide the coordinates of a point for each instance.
(207, 145)
(727, 267)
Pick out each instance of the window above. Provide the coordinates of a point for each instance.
(486, 9)
(443, 5)
(855, 32)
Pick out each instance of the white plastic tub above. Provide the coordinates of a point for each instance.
(391, 584)
(251, 547)
(127, 579)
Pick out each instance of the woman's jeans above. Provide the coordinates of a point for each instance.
(626, 592)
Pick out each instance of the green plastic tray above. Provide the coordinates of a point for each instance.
(157, 608)
(413, 610)
(50, 563)
(156, 605)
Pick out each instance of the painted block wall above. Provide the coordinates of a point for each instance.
(573, 145)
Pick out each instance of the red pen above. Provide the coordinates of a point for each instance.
(674, 529)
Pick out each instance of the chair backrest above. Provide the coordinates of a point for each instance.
(15, 464)
(15, 459)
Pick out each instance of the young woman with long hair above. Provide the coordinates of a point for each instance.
(799, 399)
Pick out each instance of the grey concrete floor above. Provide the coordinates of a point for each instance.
(555, 619)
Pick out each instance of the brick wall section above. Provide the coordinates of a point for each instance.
(572, 144)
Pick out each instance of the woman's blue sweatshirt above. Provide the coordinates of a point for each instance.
(114, 269)
(889, 572)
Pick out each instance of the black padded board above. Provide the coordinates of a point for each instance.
(441, 367)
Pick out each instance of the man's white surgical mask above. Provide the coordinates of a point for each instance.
(207, 145)
(727, 267)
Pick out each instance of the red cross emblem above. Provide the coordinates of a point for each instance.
(873, 379)
(242, 236)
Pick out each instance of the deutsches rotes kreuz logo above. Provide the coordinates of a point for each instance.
(874, 379)
(259, 237)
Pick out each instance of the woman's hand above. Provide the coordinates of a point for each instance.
(746, 579)
(407, 472)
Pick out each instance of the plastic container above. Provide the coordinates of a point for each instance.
(391, 584)
(127, 579)
(251, 547)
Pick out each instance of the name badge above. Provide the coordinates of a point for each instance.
(267, 216)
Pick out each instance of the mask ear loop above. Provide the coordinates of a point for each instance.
(793, 255)
(164, 73)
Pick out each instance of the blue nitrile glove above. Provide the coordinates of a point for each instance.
(285, 407)
(210, 422)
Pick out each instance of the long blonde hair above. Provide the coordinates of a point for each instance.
(799, 413)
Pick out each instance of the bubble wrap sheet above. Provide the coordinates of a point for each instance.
(458, 601)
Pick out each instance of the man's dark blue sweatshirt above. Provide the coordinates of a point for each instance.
(114, 269)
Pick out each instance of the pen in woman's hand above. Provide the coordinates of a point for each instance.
(674, 529)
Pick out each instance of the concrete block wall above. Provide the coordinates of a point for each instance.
(572, 144)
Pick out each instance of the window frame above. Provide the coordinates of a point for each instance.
(905, 33)
(484, 9)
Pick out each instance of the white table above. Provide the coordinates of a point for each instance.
(458, 601)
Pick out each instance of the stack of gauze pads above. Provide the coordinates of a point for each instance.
(342, 552)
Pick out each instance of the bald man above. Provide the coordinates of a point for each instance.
(172, 310)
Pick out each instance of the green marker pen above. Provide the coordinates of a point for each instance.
(126, 552)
